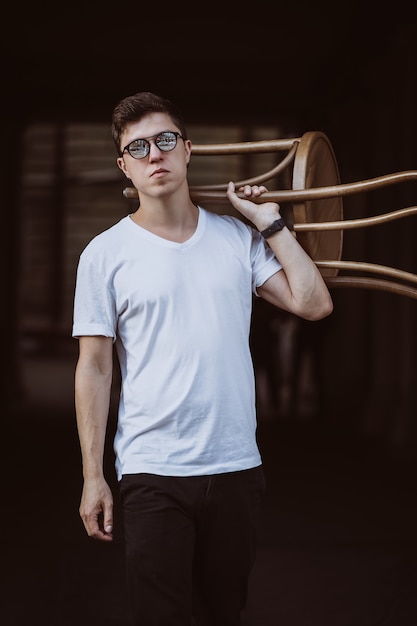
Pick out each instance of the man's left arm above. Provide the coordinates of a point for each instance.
(299, 287)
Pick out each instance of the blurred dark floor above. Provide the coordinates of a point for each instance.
(338, 538)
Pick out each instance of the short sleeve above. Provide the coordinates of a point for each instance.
(94, 304)
(264, 261)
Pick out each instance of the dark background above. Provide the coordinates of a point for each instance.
(338, 546)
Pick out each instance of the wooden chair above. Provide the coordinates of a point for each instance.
(316, 206)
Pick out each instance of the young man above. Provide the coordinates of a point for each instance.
(172, 285)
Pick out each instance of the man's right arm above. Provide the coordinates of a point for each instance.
(93, 378)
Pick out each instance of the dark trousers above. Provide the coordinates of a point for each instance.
(190, 546)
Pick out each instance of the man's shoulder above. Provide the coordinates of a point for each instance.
(228, 222)
(107, 237)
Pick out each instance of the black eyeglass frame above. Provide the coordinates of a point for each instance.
(148, 145)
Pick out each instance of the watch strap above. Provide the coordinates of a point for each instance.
(274, 228)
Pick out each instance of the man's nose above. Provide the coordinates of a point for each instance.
(154, 151)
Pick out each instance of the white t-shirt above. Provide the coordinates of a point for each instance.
(180, 315)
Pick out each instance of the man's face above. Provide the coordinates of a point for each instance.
(160, 172)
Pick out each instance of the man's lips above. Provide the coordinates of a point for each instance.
(159, 172)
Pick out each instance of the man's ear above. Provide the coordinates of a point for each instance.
(188, 146)
(121, 164)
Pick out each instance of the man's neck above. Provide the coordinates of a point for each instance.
(174, 219)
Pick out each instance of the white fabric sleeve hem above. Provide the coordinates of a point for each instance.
(262, 279)
(85, 330)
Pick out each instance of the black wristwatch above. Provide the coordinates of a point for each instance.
(274, 228)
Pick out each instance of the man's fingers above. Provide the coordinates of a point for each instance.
(108, 518)
(253, 190)
(105, 520)
(95, 530)
(98, 523)
(231, 187)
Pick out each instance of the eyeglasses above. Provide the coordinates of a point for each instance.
(140, 148)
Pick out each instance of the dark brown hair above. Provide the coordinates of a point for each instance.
(132, 108)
